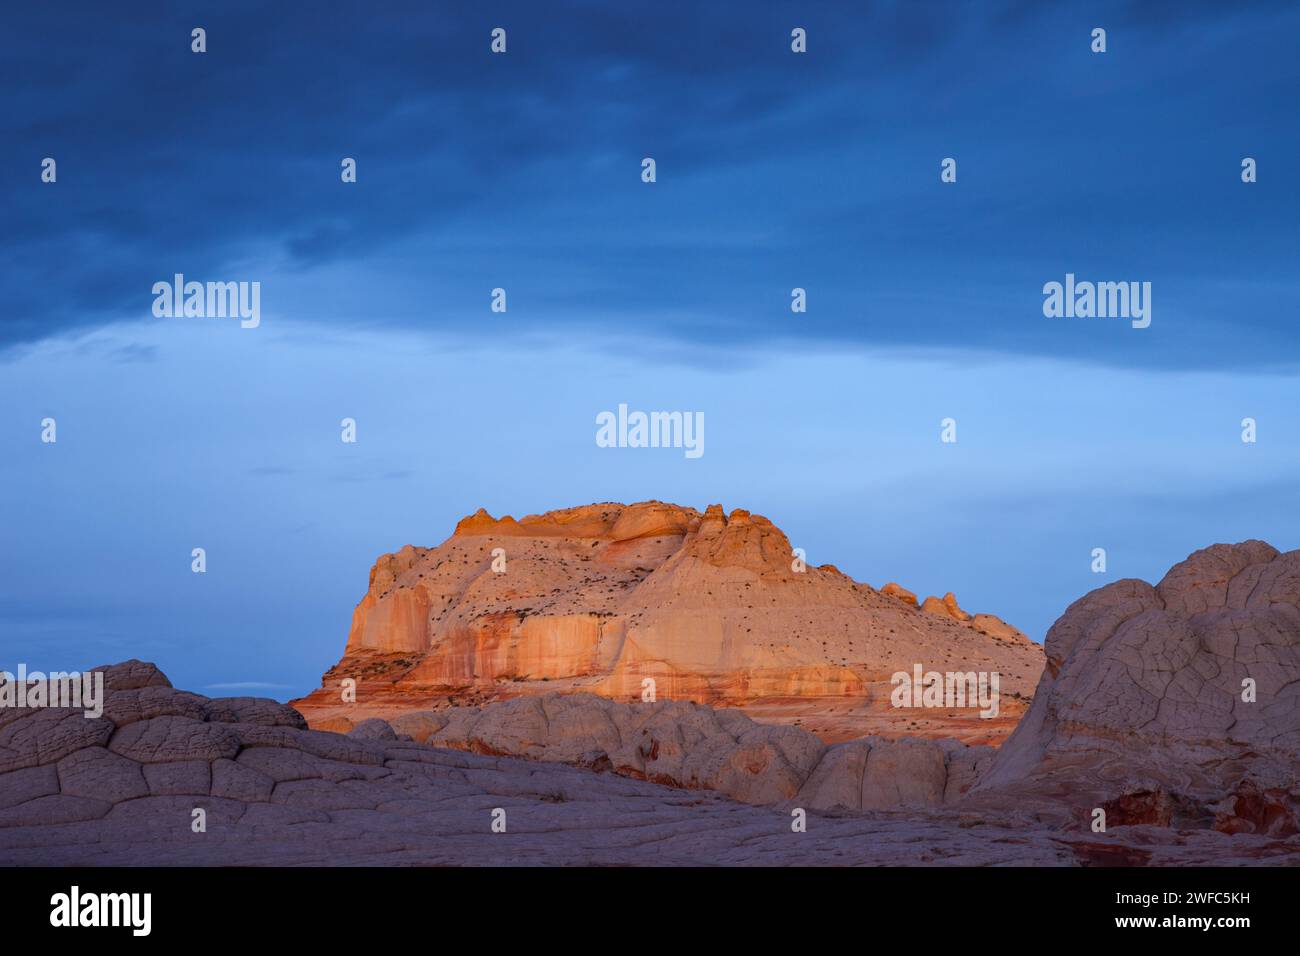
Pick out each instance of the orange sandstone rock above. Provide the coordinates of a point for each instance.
(628, 601)
(897, 591)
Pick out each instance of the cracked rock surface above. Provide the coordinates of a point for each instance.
(1189, 689)
(292, 796)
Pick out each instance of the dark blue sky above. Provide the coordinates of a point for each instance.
(775, 170)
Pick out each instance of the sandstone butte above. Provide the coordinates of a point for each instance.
(598, 598)
(1173, 708)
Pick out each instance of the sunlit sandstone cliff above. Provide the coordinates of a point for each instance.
(713, 607)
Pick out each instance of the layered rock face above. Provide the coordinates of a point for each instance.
(1175, 704)
(708, 606)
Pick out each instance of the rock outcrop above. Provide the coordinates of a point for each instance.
(125, 790)
(128, 790)
(1171, 706)
(154, 741)
(899, 592)
(693, 746)
(1178, 703)
(709, 607)
(945, 607)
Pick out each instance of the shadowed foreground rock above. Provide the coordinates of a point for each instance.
(1178, 703)
(154, 740)
(683, 744)
(123, 791)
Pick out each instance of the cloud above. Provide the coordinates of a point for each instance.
(135, 352)
(775, 171)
